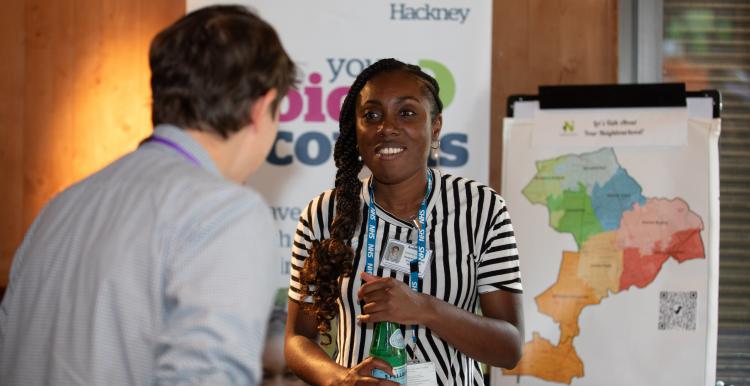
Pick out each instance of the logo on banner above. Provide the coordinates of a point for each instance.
(426, 12)
(316, 103)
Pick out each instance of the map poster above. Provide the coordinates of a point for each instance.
(619, 255)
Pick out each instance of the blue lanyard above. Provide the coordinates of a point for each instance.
(175, 146)
(372, 230)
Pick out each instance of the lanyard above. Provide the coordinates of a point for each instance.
(175, 146)
(372, 229)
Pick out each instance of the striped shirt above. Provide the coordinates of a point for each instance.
(473, 252)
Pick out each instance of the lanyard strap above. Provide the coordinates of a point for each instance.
(175, 146)
(372, 230)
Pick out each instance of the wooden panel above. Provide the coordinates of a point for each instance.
(87, 103)
(11, 132)
(50, 48)
(547, 42)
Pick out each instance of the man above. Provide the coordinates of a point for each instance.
(158, 269)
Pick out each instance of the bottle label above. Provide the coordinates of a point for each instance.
(399, 377)
(397, 339)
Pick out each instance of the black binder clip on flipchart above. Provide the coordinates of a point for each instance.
(704, 104)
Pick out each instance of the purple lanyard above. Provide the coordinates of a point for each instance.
(174, 146)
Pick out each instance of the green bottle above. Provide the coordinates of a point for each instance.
(388, 345)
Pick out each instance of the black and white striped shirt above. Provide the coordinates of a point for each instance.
(473, 252)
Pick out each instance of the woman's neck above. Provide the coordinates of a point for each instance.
(402, 199)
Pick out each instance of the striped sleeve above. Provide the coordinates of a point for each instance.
(498, 261)
(312, 225)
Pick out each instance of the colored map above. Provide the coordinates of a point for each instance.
(623, 239)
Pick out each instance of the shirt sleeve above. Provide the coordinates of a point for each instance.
(15, 268)
(499, 267)
(219, 286)
(303, 239)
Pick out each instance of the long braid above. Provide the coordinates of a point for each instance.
(331, 259)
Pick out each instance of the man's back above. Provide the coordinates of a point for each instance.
(154, 269)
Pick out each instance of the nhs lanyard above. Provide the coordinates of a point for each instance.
(175, 146)
(372, 229)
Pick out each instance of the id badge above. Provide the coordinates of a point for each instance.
(421, 374)
(399, 254)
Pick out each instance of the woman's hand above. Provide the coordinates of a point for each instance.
(361, 374)
(388, 299)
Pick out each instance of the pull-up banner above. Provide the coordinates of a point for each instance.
(332, 41)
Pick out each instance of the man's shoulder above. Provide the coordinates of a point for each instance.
(174, 188)
(176, 178)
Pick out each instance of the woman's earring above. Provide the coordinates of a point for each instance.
(435, 150)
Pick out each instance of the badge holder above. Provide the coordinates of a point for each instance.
(399, 256)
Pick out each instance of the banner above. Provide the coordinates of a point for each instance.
(332, 41)
(619, 254)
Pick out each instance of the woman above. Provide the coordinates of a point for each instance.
(390, 121)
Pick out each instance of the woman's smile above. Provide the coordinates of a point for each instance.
(389, 151)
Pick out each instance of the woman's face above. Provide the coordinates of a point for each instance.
(394, 127)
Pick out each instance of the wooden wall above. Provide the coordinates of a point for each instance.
(547, 42)
(74, 95)
(12, 74)
(74, 89)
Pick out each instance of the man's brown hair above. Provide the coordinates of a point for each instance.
(210, 66)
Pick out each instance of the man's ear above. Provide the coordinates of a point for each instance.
(261, 108)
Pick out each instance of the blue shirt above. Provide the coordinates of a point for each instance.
(154, 270)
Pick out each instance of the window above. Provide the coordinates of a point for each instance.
(707, 46)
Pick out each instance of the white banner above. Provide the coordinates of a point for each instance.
(332, 41)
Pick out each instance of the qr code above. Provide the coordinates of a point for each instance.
(677, 310)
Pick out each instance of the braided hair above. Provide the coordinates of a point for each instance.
(331, 258)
